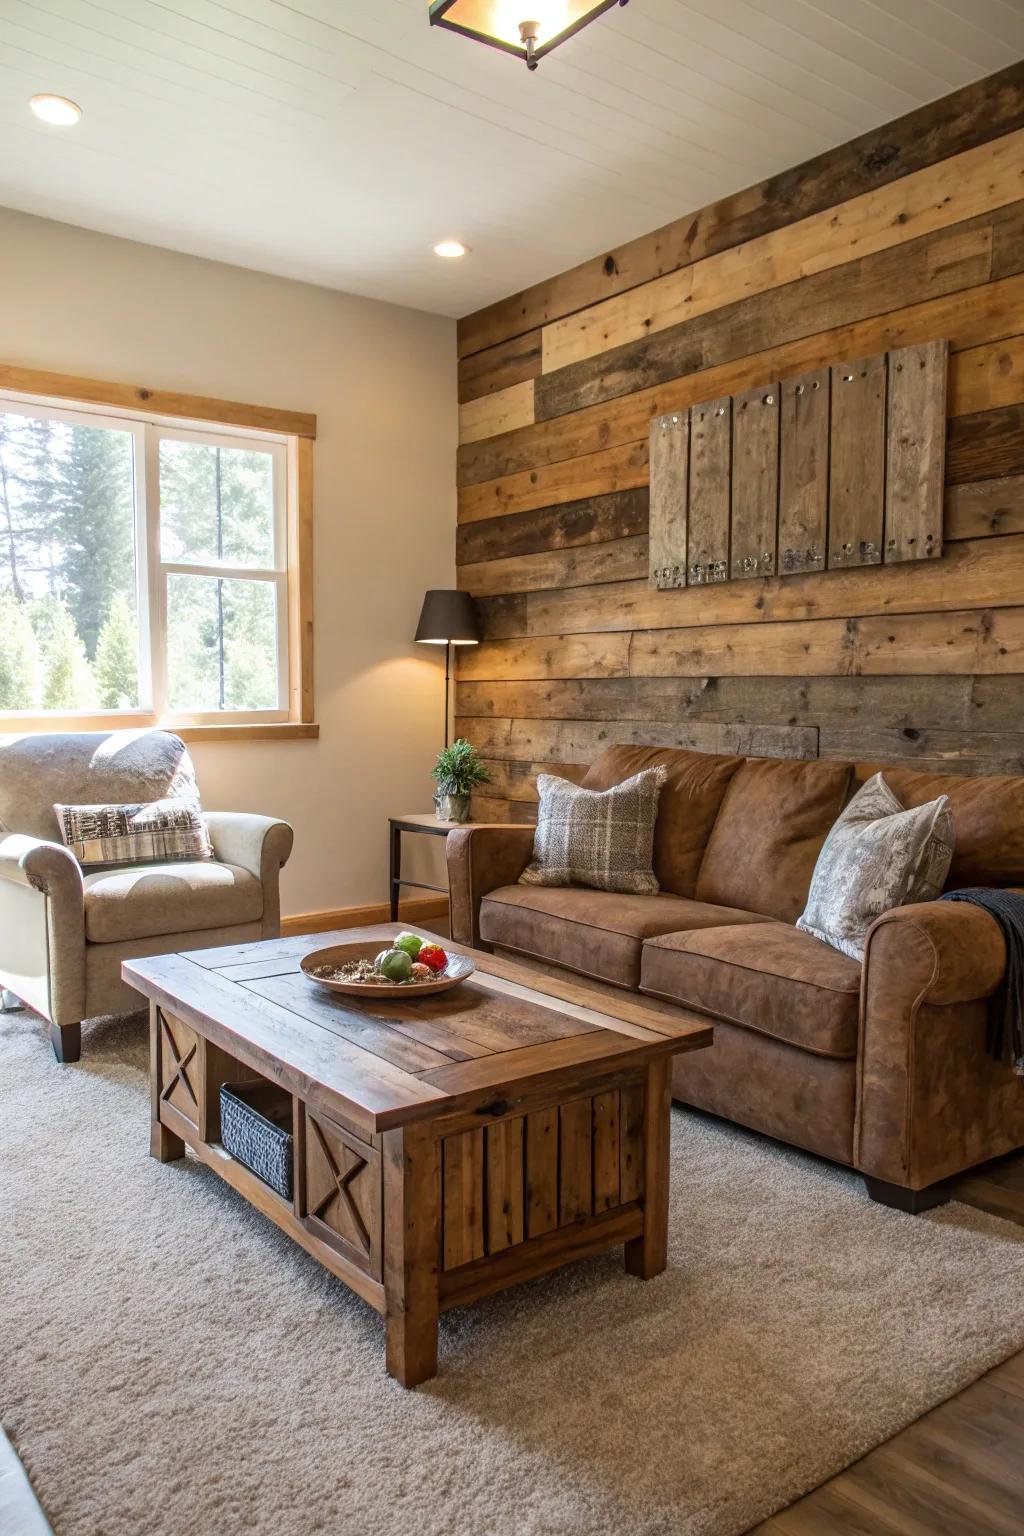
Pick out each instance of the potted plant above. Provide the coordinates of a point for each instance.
(458, 771)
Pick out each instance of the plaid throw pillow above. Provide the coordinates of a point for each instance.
(600, 838)
(135, 834)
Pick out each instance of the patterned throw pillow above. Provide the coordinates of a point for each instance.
(135, 834)
(600, 838)
(876, 857)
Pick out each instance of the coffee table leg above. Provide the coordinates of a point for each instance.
(163, 1144)
(647, 1254)
(412, 1224)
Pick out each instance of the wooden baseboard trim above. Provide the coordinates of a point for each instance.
(418, 909)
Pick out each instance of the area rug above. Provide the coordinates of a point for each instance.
(170, 1363)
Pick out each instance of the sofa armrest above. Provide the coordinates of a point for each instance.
(927, 1092)
(259, 844)
(480, 859)
(42, 926)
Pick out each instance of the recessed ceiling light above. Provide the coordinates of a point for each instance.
(57, 110)
(450, 249)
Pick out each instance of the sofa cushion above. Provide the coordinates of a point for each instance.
(988, 820)
(774, 819)
(148, 899)
(691, 795)
(771, 978)
(601, 838)
(592, 932)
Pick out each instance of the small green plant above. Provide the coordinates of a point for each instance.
(458, 769)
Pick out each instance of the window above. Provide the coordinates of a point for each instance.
(144, 568)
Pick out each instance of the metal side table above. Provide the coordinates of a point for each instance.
(432, 826)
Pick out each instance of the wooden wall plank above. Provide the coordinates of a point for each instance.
(856, 501)
(503, 411)
(973, 573)
(985, 508)
(615, 469)
(541, 743)
(510, 362)
(707, 558)
(963, 187)
(669, 499)
(987, 376)
(984, 110)
(987, 445)
(584, 565)
(976, 317)
(897, 703)
(916, 452)
(755, 483)
(803, 472)
(965, 641)
(597, 520)
(934, 750)
(934, 264)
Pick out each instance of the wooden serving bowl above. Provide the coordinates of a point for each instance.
(457, 969)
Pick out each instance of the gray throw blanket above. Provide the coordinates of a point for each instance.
(1005, 1035)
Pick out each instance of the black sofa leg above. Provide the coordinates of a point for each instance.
(66, 1040)
(913, 1201)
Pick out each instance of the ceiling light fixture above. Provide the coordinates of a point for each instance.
(527, 28)
(57, 110)
(450, 249)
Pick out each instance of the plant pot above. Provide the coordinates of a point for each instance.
(452, 807)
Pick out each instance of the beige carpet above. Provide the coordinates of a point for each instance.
(170, 1365)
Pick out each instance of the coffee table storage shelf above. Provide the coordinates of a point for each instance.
(441, 1150)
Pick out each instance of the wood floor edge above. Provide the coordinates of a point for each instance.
(417, 909)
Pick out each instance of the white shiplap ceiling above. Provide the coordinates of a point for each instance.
(337, 140)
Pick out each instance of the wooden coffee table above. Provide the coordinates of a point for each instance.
(443, 1148)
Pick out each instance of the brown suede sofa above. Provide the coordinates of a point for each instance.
(880, 1066)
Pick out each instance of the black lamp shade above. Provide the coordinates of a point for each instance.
(448, 618)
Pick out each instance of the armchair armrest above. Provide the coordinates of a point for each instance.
(42, 926)
(928, 1095)
(47, 867)
(259, 844)
(480, 859)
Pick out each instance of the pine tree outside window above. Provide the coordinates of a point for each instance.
(143, 568)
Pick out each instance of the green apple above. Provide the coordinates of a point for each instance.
(395, 964)
(411, 943)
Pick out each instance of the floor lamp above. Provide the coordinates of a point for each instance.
(448, 618)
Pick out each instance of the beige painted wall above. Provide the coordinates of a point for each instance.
(382, 383)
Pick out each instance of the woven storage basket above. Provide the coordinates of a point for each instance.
(255, 1127)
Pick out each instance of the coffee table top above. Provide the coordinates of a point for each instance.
(388, 1063)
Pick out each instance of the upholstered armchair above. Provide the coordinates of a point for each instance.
(65, 929)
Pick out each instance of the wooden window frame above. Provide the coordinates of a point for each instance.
(299, 431)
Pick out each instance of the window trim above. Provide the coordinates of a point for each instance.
(139, 404)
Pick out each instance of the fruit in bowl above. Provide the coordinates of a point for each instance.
(394, 964)
(411, 943)
(433, 956)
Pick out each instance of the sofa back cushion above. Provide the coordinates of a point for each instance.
(988, 820)
(695, 783)
(87, 768)
(775, 816)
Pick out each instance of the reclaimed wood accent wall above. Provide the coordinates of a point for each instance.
(913, 232)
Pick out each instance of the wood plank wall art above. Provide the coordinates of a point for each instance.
(827, 470)
(912, 232)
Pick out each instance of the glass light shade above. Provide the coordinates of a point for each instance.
(500, 22)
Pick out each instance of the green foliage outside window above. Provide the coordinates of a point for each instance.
(68, 580)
